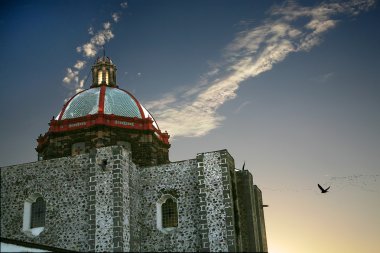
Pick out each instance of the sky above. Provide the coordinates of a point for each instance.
(291, 88)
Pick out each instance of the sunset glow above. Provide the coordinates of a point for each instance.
(290, 88)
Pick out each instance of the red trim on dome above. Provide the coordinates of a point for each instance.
(145, 123)
(137, 103)
(101, 99)
(108, 120)
(152, 117)
(67, 103)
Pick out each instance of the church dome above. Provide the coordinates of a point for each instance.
(105, 104)
(104, 100)
(104, 115)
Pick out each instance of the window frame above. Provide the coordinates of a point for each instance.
(27, 217)
(169, 213)
(78, 148)
(38, 213)
(162, 200)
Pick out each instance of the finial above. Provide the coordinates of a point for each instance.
(104, 52)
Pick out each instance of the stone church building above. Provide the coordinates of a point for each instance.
(103, 182)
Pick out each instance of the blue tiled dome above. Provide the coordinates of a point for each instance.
(110, 100)
(82, 104)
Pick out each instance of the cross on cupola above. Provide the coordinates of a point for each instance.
(103, 72)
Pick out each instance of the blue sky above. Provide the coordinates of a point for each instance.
(291, 88)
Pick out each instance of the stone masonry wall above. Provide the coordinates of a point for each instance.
(88, 199)
(63, 183)
(263, 247)
(216, 202)
(131, 202)
(247, 211)
(113, 192)
(180, 179)
(102, 201)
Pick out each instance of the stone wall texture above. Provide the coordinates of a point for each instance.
(63, 183)
(102, 201)
(178, 179)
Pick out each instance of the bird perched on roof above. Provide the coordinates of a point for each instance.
(323, 190)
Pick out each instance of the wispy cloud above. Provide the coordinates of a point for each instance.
(244, 104)
(289, 28)
(91, 30)
(323, 77)
(116, 17)
(367, 182)
(71, 76)
(73, 79)
(90, 49)
(364, 182)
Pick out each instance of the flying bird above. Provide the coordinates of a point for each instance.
(323, 190)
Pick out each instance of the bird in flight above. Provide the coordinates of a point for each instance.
(323, 190)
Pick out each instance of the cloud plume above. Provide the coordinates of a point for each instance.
(73, 79)
(288, 28)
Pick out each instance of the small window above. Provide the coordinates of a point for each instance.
(38, 213)
(78, 148)
(124, 144)
(106, 77)
(34, 215)
(100, 77)
(103, 76)
(167, 213)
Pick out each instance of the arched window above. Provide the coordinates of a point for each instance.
(103, 76)
(34, 215)
(167, 213)
(38, 213)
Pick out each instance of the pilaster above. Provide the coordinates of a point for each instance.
(217, 225)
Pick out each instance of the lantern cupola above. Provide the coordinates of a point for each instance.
(103, 72)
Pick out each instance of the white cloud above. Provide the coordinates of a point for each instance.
(78, 90)
(80, 64)
(161, 103)
(70, 76)
(91, 30)
(124, 5)
(289, 28)
(81, 83)
(90, 50)
(242, 106)
(323, 78)
(102, 37)
(107, 26)
(327, 76)
(116, 17)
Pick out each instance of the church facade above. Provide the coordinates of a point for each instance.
(103, 182)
